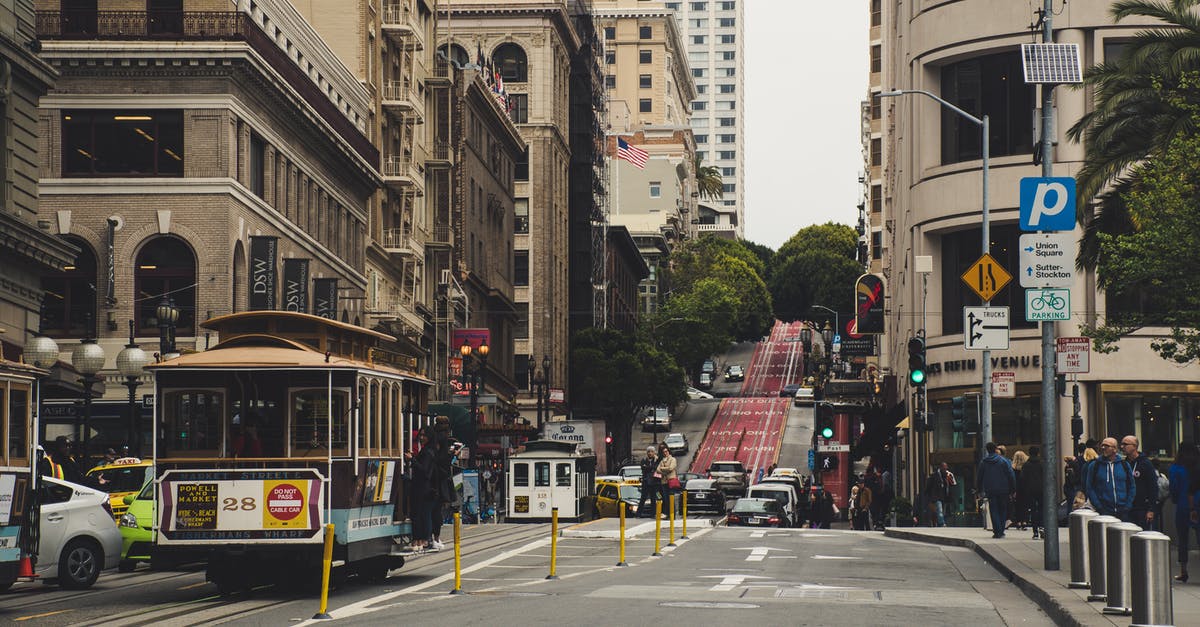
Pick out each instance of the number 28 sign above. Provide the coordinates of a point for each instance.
(218, 506)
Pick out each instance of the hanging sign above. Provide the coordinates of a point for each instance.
(295, 285)
(262, 272)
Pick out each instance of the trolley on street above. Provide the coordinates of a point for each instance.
(550, 474)
(18, 512)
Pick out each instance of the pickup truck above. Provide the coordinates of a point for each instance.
(730, 476)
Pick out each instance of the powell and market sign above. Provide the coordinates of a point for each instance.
(1004, 363)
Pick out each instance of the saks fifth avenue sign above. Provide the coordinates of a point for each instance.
(1002, 363)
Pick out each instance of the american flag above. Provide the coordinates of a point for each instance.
(632, 154)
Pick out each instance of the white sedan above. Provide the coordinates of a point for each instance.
(698, 395)
(78, 536)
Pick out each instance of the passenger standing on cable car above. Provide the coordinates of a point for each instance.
(422, 488)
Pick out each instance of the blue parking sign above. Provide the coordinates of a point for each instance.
(1047, 204)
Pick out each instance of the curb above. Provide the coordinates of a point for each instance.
(1060, 604)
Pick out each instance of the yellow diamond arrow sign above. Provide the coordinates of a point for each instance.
(985, 277)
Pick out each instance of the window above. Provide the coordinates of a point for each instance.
(521, 268)
(18, 422)
(645, 56)
(877, 245)
(521, 167)
(726, 105)
(310, 421)
(876, 198)
(702, 139)
(729, 188)
(192, 421)
(541, 474)
(165, 267)
(701, 89)
(726, 154)
(991, 86)
(610, 57)
(698, 39)
(699, 6)
(727, 138)
(698, 72)
(876, 151)
(728, 71)
(727, 39)
(876, 12)
(727, 89)
(562, 475)
(672, 6)
(645, 105)
(1114, 50)
(645, 32)
(610, 81)
(518, 105)
(727, 5)
(727, 121)
(645, 82)
(698, 23)
(123, 143)
(699, 105)
(257, 162)
(521, 475)
(959, 250)
(876, 106)
(510, 61)
(701, 155)
(727, 55)
(876, 59)
(69, 297)
(521, 326)
(610, 32)
(521, 215)
(725, 22)
(728, 171)
(697, 58)
(656, 189)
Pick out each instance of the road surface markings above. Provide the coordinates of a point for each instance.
(194, 585)
(729, 582)
(41, 615)
(758, 553)
(835, 557)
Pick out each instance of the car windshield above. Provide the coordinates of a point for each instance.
(778, 495)
(630, 492)
(756, 506)
(674, 439)
(128, 479)
(147, 492)
(726, 468)
(631, 471)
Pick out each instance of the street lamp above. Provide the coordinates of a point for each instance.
(985, 420)
(539, 384)
(168, 315)
(476, 374)
(88, 358)
(130, 362)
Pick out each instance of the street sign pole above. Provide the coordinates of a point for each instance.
(1051, 455)
(985, 420)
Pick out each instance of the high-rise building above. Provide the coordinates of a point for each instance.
(712, 32)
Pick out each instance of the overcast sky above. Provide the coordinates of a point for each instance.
(806, 73)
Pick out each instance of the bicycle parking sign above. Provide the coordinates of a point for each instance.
(1049, 303)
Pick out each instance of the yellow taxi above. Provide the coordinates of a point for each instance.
(121, 478)
(610, 491)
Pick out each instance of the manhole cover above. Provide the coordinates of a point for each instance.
(708, 605)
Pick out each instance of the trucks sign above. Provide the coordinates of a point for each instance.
(219, 506)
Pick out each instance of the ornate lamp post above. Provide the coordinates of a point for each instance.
(130, 362)
(475, 374)
(539, 384)
(168, 315)
(88, 359)
(806, 342)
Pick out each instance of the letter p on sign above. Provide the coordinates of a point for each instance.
(1047, 204)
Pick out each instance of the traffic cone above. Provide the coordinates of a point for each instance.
(26, 568)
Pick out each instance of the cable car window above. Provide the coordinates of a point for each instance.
(191, 421)
(18, 421)
(562, 477)
(521, 475)
(541, 474)
(310, 422)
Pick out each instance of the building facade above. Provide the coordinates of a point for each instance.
(925, 201)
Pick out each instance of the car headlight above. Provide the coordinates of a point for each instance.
(128, 520)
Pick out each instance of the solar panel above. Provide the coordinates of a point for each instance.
(1052, 64)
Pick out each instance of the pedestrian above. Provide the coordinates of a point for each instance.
(1108, 482)
(938, 492)
(1029, 486)
(823, 517)
(423, 493)
(1145, 485)
(852, 500)
(443, 483)
(995, 479)
(1184, 475)
(650, 481)
(862, 506)
(669, 480)
(1020, 508)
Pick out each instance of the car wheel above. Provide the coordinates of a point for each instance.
(126, 566)
(79, 565)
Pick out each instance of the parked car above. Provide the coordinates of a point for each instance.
(609, 494)
(685, 477)
(698, 395)
(122, 478)
(793, 481)
(754, 512)
(677, 443)
(803, 396)
(657, 419)
(734, 373)
(706, 381)
(729, 475)
(782, 492)
(631, 472)
(704, 495)
(789, 390)
(709, 367)
(78, 536)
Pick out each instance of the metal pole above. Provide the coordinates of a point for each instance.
(1049, 396)
(553, 543)
(985, 420)
(457, 554)
(134, 432)
(326, 564)
(622, 562)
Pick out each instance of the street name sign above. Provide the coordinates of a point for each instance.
(1047, 204)
(833, 448)
(1004, 384)
(1073, 355)
(985, 328)
(985, 277)
(1051, 303)
(1048, 259)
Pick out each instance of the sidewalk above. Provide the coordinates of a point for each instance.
(1020, 558)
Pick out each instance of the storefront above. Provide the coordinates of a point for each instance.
(1160, 415)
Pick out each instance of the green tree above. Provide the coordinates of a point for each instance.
(695, 259)
(1151, 272)
(618, 375)
(709, 181)
(695, 325)
(764, 254)
(816, 266)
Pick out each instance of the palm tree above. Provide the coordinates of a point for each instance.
(1142, 101)
(708, 180)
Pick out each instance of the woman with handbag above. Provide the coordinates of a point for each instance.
(670, 480)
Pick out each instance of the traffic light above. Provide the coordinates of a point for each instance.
(958, 413)
(827, 463)
(916, 361)
(608, 438)
(824, 420)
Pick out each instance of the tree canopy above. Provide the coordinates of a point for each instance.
(817, 266)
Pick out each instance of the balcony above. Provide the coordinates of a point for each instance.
(400, 23)
(403, 242)
(442, 236)
(440, 157)
(400, 97)
(403, 174)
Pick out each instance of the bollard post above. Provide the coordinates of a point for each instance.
(657, 528)
(457, 554)
(622, 562)
(1150, 563)
(553, 542)
(684, 536)
(1079, 547)
(1097, 555)
(326, 564)
(1116, 590)
(671, 504)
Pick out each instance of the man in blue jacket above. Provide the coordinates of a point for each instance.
(996, 481)
(1108, 482)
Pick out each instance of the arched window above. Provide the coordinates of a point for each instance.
(166, 267)
(69, 297)
(457, 53)
(510, 60)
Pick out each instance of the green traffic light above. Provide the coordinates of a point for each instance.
(917, 377)
(827, 432)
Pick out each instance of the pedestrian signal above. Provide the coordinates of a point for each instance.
(958, 414)
(827, 463)
(916, 361)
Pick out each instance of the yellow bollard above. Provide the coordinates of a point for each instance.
(671, 504)
(553, 542)
(684, 536)
(457, 554)
(326, 564)
(657, 527)
(621, 504)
